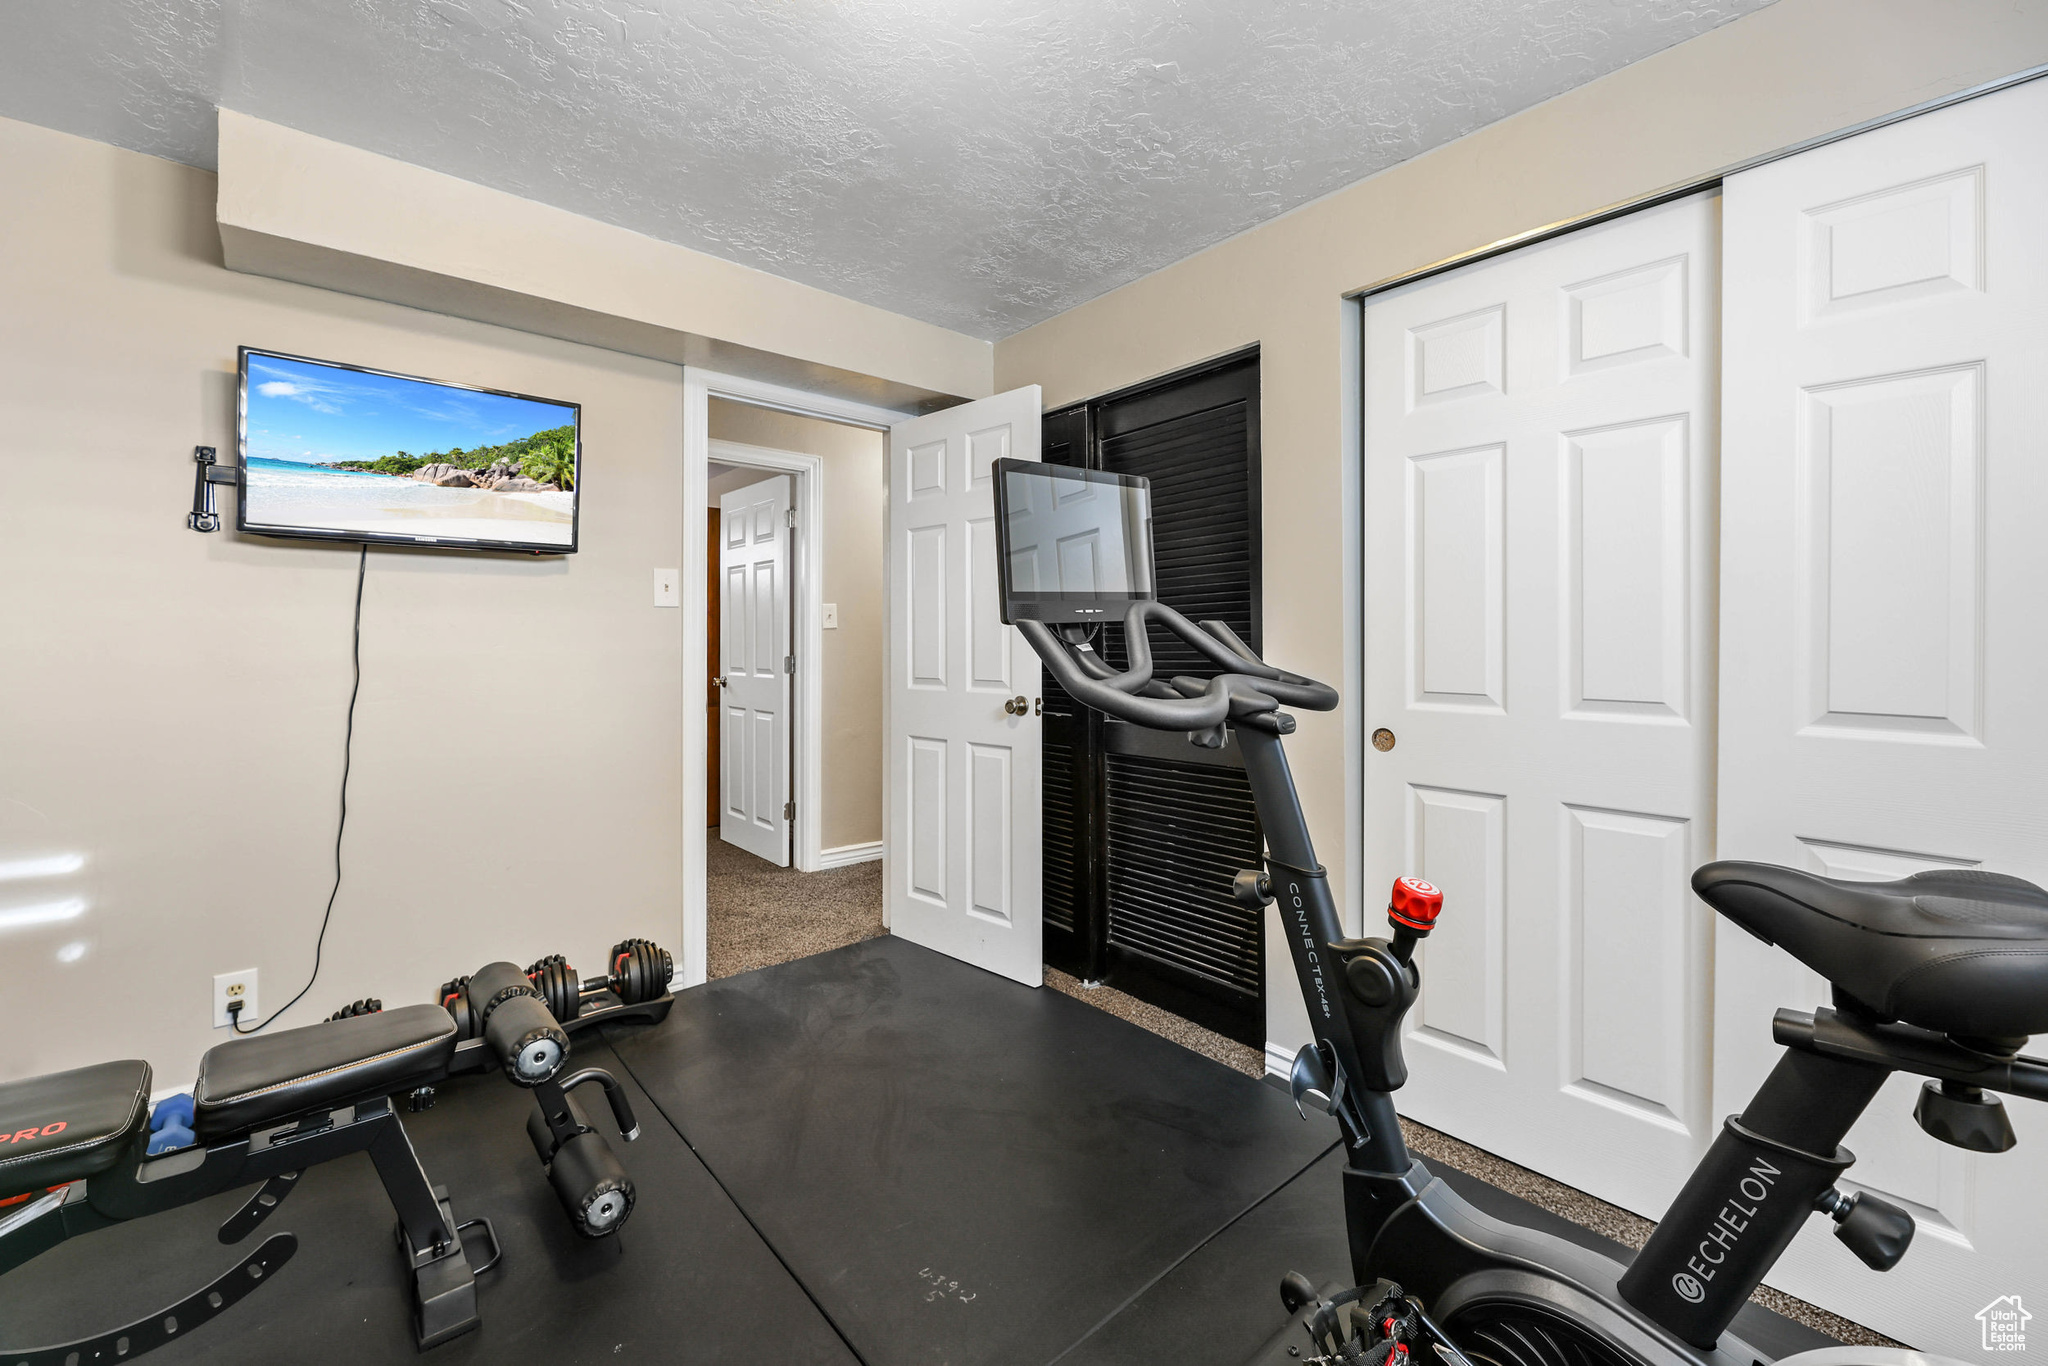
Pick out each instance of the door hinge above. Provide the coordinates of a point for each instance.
(789, 811)
(789, 516)
(789, 664)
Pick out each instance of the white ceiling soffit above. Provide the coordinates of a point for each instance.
(978, 164)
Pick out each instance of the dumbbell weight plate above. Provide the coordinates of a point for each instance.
(627, 970)
(641, 970)
(557, 984)
(454, 998)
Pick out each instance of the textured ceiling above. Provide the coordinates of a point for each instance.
(981, 164)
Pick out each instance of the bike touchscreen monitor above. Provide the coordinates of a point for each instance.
(1072, 545)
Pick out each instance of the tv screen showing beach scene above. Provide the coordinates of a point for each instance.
(343, 453)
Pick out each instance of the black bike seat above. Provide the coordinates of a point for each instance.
(1956, 951)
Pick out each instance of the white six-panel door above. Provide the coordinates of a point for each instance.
(753, 786)
(1539, 452)
(962, 860)
(1884, 602)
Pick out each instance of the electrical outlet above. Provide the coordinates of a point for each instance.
(831, 615)
(235, 986)
(668, 588)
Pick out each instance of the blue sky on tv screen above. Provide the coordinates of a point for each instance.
(309, 413)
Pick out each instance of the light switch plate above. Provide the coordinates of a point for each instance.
(668, 588)
(831, 614)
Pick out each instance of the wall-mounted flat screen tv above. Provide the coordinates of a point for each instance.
(343, 453)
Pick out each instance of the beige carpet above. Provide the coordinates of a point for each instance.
(760, 915)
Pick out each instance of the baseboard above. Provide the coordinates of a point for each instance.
(846, 855)
(1279, 1059)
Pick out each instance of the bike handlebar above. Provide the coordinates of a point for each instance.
(1248, 692)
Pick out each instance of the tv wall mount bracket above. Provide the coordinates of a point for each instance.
(208, 471)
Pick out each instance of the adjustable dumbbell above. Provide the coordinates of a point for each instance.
(640, 971)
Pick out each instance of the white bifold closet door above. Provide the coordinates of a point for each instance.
(962, 865)
(753, 614)
(1884, 601)
(1539, 456)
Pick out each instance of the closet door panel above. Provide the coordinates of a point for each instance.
(1884, 584)
(1539, 459)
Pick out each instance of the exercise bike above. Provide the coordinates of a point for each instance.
(1942, 975)
(75, 1145)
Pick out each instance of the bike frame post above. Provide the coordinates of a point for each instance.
(1750, 1195)
(1308, 915)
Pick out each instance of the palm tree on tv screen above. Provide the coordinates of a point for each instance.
(553, 460)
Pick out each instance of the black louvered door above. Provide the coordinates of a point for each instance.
(1153, 829)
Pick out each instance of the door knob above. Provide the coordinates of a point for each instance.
(1017, 706)
(719, 681)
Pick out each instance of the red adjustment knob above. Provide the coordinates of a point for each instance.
(1415, 905)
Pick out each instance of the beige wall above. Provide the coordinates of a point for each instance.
(854, 511)
(171, 704)
(1797, 70)
(733, 478)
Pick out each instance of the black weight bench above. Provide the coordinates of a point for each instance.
(74, 1148)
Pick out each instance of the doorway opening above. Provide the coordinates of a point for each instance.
(794, 570)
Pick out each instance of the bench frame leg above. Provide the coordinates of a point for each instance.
(443, 1285)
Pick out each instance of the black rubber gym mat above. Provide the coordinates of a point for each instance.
(1222, 1304)
(685, 1281)
(960, 1169)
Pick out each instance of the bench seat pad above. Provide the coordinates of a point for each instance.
(245, 1084)
(69, 1125)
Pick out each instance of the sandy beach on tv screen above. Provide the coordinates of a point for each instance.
(384, 505)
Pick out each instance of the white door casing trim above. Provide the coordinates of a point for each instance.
(699, 388)
(806, 634)
(1354, 901)
(1357, 906)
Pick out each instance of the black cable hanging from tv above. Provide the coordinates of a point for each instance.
(348, 745)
